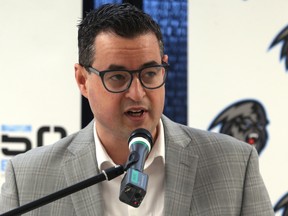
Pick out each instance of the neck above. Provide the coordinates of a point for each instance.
(118, 153)
(117, 147)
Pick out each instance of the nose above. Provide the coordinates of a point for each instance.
(136, 91)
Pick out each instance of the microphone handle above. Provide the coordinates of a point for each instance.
(142, 155)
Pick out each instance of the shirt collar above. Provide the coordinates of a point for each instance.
(158, 150)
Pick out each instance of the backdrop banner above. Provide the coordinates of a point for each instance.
(238, 84)
(40, 101)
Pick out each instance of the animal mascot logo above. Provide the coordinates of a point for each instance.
(282, 204)
(282, 37)
(245, 120)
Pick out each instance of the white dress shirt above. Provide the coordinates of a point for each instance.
(153, 202)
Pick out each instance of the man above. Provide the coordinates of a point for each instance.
(122, 70)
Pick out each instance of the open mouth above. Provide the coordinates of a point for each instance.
(252, 138)
(135, 113)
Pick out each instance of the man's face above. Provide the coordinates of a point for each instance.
(118, 114)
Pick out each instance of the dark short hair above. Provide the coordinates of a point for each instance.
(125, 20)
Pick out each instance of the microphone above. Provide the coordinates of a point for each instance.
(134, 184)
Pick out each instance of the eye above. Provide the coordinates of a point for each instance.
(245, 124)
(150, 74)
(117, 76)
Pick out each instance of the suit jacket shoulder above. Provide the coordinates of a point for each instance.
(211, 174)
(45, 170)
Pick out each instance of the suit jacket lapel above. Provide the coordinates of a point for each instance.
(181, 166)
(180, 171)
(80, 165)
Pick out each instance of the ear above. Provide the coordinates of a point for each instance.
(81, 79)
(165, 58)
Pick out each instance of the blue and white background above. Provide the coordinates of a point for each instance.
(218, 51)
(230, 60)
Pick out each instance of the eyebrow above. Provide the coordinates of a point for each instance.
(120, 67)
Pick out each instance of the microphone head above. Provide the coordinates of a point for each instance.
(141, 135)
(134, 184)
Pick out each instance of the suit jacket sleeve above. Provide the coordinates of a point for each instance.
(9, 195)
(256, 200)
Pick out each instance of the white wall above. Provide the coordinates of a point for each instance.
(229, 61)
(38, 49)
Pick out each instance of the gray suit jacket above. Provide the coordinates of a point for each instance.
(206, 174)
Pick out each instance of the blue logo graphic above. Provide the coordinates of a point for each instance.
(16, 128)
(3, 165)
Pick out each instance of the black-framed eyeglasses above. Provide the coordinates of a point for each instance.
(117, 81)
